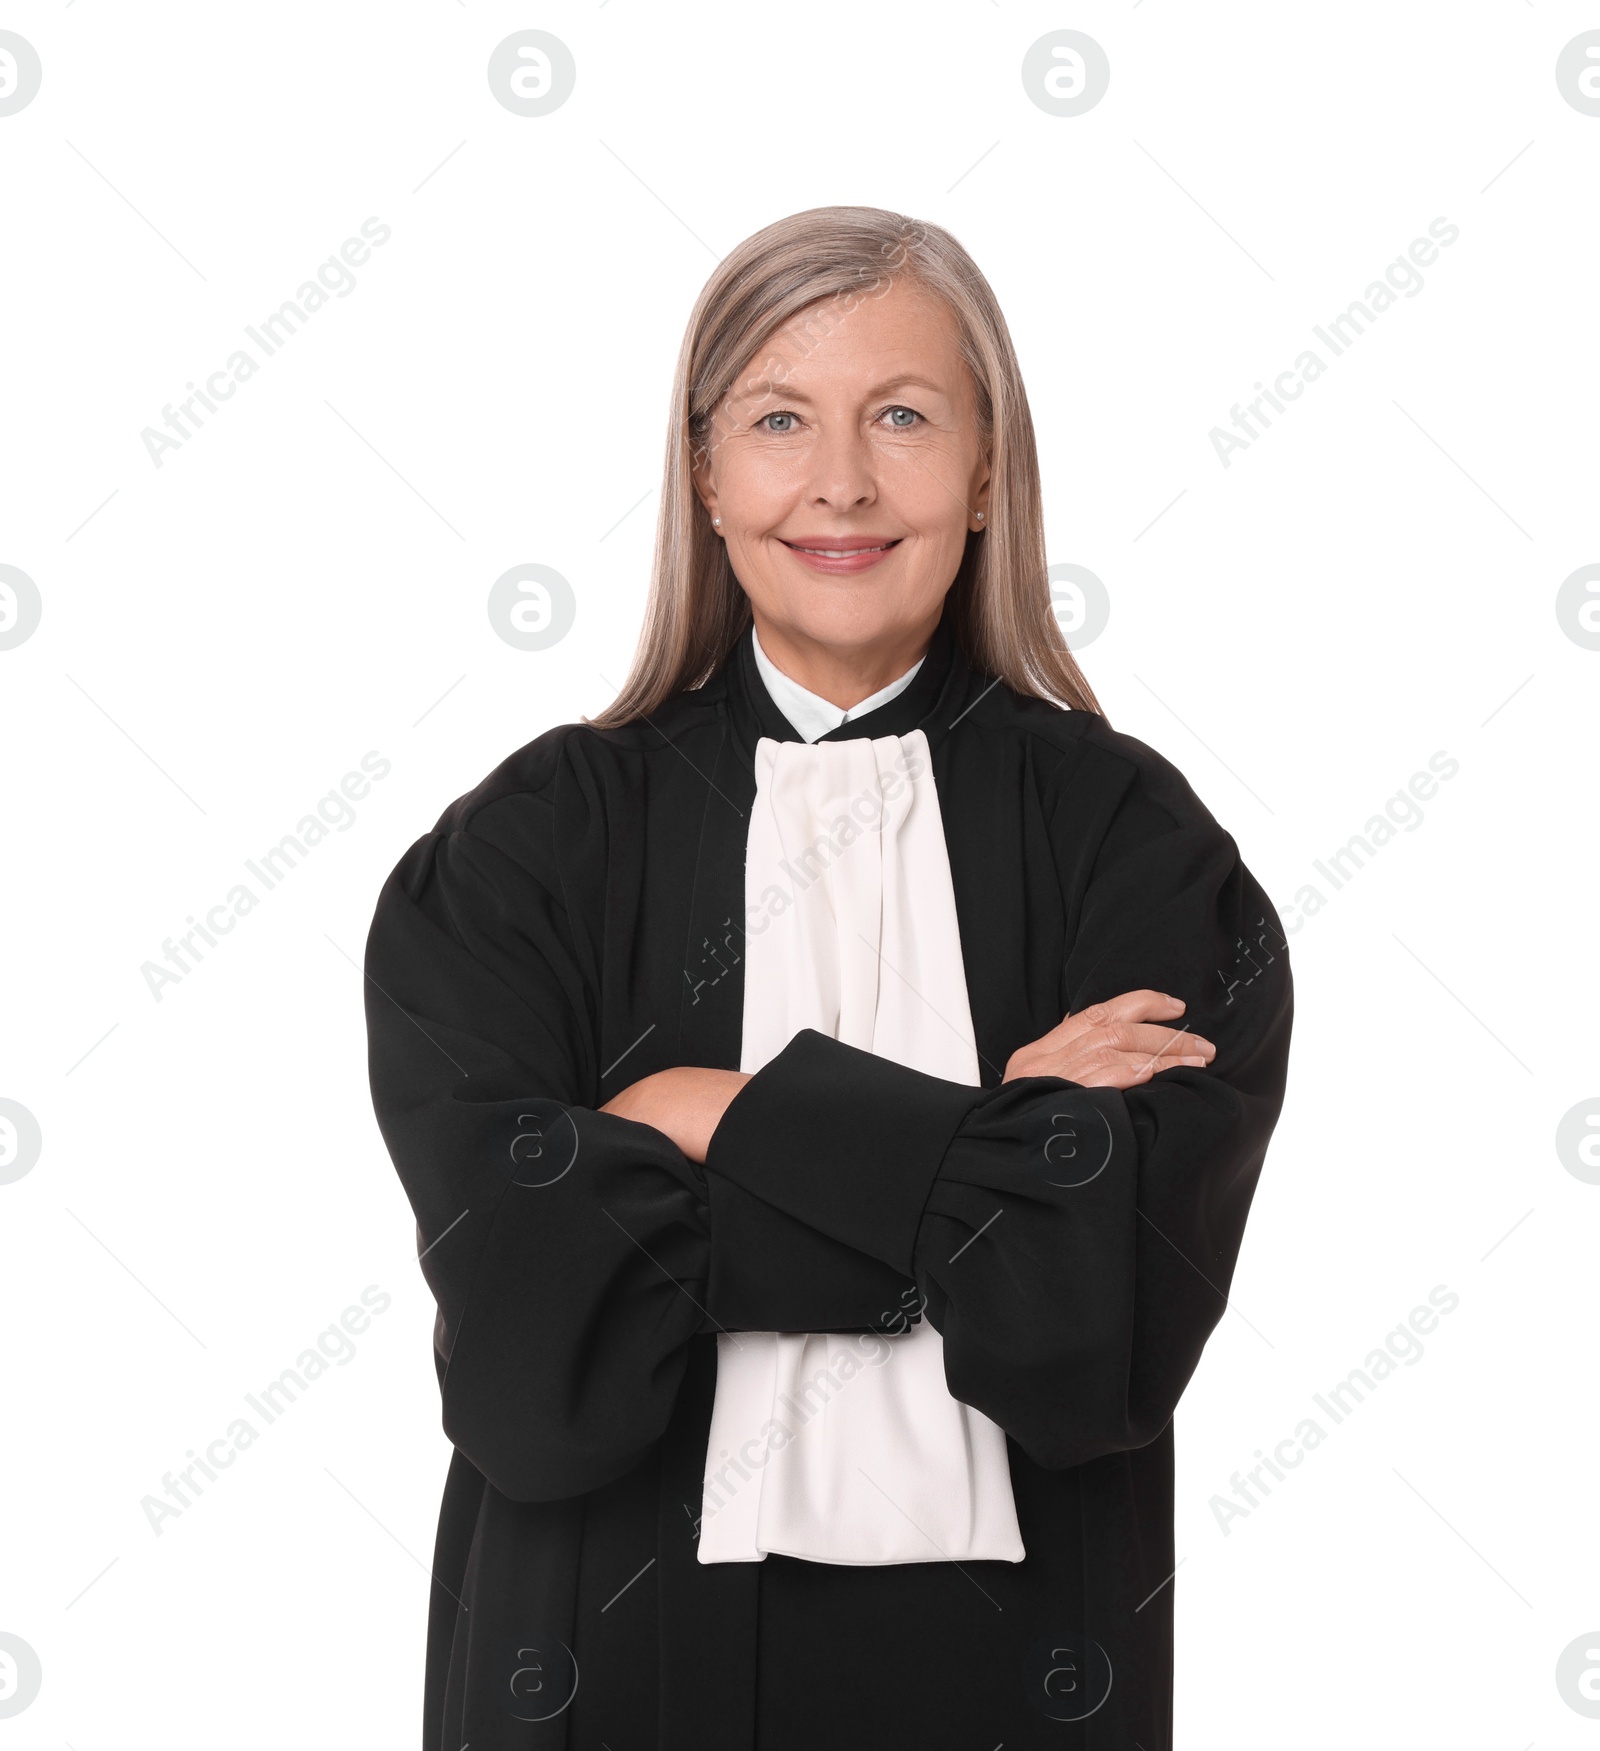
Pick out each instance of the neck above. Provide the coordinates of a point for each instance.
(844, 675)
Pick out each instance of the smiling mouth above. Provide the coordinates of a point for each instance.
(843, 552)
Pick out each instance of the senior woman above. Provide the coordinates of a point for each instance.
(830, 1085)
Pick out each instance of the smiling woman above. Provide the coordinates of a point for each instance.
(836, 479)
(866, 348)
(825, 1091)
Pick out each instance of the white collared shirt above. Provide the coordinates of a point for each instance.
(809, 712)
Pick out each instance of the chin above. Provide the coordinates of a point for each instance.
(842, 620)
(848, 611)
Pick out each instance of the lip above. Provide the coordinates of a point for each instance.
(857, 553)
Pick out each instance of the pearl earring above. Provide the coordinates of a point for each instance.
(978, 515)
(717, 521)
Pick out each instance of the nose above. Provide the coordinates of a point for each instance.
(841, 472)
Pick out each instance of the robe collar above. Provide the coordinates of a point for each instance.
(935, 697)
(809, 712)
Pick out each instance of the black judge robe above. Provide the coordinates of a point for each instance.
(576, 922)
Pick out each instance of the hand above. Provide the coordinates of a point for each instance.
(686, 1104)
(1114, 1044)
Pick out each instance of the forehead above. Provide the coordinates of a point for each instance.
(859, 341)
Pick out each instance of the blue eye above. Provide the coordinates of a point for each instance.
(900, 425)
(782, 431)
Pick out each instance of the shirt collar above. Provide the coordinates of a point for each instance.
(811, 714)
(940, 694)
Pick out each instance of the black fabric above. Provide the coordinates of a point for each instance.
(844, 1141)
(575, 923)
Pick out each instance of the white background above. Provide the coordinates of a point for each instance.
(305, 579)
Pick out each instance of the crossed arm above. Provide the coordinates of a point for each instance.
(1071, 1234)
(1117, 1044)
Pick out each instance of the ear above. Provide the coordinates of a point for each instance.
(980, 498)
(705, 491)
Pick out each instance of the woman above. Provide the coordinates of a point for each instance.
(830, 1086)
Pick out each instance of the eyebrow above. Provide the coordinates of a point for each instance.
(905, 379)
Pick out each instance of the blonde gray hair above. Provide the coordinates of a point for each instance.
(830, 260)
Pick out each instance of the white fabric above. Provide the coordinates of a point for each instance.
(809, 712)
(848, 1448)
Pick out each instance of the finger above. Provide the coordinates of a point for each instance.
(1158, 1042)
(1109, 1068)
(1129, 1006)
(1130, 1069)
(1164, 1043)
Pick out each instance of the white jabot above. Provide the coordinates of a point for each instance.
(809, 712)
(848, 1447)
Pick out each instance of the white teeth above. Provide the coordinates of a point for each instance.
(843, 552)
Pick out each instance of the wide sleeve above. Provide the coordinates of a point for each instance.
(567, 1249)
(1073, 1246)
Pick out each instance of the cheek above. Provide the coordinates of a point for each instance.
(930, 471)
(925, 493)
(755, 489)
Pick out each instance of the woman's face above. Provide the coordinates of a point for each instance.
(854, 428)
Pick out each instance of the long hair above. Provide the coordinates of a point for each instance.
(833, 259)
